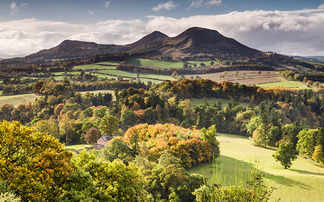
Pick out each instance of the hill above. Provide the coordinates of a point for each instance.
(147, 39)
(72, 49)
(196, 42)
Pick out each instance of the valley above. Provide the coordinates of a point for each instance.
(193, 117)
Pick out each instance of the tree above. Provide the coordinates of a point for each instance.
(100, 112)
(285, 154)
(108, 125)
(112, 181)
(49, 127)
(210, 136)
(35, 166)
(318, 154)
(92, 135)
(127, 118)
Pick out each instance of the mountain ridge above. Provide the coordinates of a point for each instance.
(195, 41)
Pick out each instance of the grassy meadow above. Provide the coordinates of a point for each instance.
(288, 84)
(74, 148)
(302, 182)
(18, 99)
(165, 63)
(244, 77)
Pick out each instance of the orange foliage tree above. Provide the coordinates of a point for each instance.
(188, 145)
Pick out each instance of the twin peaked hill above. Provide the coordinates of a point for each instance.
(192, 42)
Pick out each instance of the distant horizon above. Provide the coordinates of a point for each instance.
(28, 26)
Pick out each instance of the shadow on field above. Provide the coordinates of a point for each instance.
(307, 172)
(286, 181)
(230, 171)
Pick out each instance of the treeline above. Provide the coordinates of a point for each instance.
(82, 82)
(307, 77)
(192, 88)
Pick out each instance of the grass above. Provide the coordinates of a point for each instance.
(155, 63)
(289, 84)
(197, 101)
(94, 66)
(102, 91)
(110, 63)
(18, 99)
(302, 182)
(165, 63)
(76, 147)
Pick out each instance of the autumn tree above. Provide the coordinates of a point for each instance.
(92, 135)
(35, 166)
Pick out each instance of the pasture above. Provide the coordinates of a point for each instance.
(18, 99)
(239, 157)
(165, 63)
(288, 84)
(243, 77)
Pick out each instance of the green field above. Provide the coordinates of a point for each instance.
(302, 182)
(197, 101)
(289, 84)
(94, 66)
(155, 63)
(110, 63)
(18, 99)
(164, 63)
(77, 147)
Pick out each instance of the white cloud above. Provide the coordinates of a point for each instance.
(107, 4)
(166, 6)
(320, 6)
(16, 8)
(292, 33)
(214, 2)
(196, 3)
(90, 12)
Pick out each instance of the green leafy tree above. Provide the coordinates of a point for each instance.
(318, 154)
(112, 181)
(101, 112)
(109, 125)
(210, 136)
(127, 118)
(285, 154)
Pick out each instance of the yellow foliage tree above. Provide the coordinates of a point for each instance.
(35, 166)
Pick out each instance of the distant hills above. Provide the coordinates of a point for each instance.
(318, 59)
(192, 42)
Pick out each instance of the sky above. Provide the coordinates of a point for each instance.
(292, 27)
